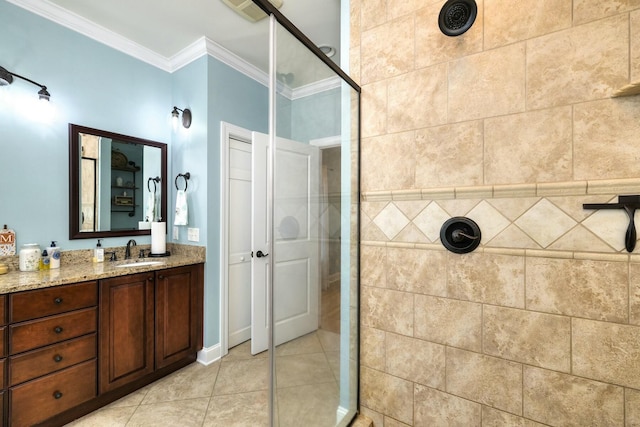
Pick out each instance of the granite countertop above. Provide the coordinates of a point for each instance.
(15, 280)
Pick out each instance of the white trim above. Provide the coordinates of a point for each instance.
(90, 29)
(208, 355)
(341, 413)
(328, 142)
(316, 87)
(227, 130)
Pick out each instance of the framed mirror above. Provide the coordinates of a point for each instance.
(117, 183)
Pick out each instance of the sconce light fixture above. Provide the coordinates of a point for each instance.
(6, 78)
(186, 117)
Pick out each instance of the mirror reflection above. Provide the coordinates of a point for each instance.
(117, 183)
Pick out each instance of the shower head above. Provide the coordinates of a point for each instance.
(457, 16)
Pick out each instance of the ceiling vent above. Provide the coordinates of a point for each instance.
(249, 10)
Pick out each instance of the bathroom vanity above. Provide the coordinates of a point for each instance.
(70, 348)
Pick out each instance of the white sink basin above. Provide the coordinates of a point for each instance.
(139, 264)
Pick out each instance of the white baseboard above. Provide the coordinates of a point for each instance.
(208, 355)
(341, 413)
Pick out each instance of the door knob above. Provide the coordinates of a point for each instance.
(260, 254)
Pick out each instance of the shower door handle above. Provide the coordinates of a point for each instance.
(260, 254)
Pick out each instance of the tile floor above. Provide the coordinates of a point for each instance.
(234, 391)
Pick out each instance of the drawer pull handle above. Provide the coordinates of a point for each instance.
(150, 279)
(57, 394)
(58, 300)
(161, 277)
(57, 358)
(57, 329)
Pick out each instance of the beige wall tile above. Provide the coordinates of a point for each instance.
(387, 394)
(532, 18)
(388, 162)
(418, 99)
(590, 10)
(374, 109)
(564, 400)
(372, 13)
(634, 293)
(487, 84)
(387, 50)
(433, 47)
(402, 354)
(580, 64)
(355, 28)
(635, 46)
(372, 349)
(494, 418)
(400, 8)
(450, 322)
(484, 379)
(434, 408)
(522, 336)
(390, 422)
(603, 132)
(487, 278)
(387, 310)
(439, 151)
(592, 289)
(415, 270)
(606, 352)
(529, 147)
(372, 266)
(632, 407)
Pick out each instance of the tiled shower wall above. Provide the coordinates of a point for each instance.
(513, 125)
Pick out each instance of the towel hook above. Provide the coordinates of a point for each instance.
(156, 179)
(186, 177)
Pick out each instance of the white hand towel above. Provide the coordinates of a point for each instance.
(182, 211)
(151, 208)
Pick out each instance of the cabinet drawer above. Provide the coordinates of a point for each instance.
(3, 364)
(37, 400)
(37, 333)
(50, 359)
(3, 341)
(3, 311)
(45, 302)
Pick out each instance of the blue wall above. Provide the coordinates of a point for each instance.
(96, 86)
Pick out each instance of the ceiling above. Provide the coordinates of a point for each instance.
(167, 28)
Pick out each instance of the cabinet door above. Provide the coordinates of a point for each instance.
(126, 329)
(178, 314)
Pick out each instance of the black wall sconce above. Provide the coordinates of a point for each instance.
(186, 116)
(6, 78)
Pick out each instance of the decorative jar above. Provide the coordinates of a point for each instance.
(29, 257)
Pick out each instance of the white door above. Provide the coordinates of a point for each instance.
(296, 243)
(239, 243)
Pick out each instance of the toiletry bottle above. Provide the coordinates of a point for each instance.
(44, 260)
(54, 255)
(98, 252)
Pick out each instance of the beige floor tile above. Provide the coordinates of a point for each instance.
(303, 369)
(330, 341)
(191, 382)
(308, 405)
(304, 345)
(238, 410)
(183, 413)
(241, 376)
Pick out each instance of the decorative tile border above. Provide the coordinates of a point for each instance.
(568, 188)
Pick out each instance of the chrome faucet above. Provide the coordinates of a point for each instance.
(127, 251)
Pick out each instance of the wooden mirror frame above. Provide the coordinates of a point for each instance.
(74, 181)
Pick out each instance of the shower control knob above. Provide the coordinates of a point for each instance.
(260, 254)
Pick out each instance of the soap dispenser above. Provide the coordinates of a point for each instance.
(98, 252)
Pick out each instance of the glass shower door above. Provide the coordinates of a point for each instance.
(313, 150)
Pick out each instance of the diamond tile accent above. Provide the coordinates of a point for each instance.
(513, 237)
(545, 222)
(610, 225)
(580, 239)
(490, 221)
(430, 221)
(391, 221)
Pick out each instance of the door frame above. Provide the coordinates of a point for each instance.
(227, 131)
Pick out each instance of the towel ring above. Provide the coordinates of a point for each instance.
(186, 177)
(156, 179)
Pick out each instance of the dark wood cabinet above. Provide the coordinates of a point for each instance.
(126, 329)
(178, 314)
(70, 349)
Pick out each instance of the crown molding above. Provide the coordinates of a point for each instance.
(197, 49)
(77, 23)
